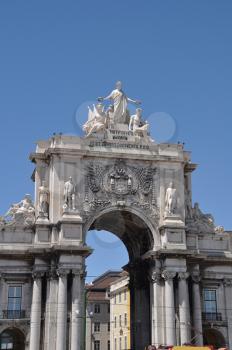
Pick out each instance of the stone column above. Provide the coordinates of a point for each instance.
(169, 307)
(184, 312)
(61, 332)
(197, 312)
(157, 311)
(36, 312)
(228, 303)
(50, 313)
(76, 311)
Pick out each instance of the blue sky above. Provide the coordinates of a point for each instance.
(173, 55)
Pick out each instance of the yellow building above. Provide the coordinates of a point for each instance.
(120, 313)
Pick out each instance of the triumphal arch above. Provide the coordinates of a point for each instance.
(115, 178)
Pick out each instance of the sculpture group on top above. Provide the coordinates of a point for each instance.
(22, 213)
(116, 115)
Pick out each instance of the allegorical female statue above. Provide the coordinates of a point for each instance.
(120, 102)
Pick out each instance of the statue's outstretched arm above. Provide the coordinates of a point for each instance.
(136, 102)
(100, 99)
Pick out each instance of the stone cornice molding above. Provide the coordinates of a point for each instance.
(183, 275)
(168, 275)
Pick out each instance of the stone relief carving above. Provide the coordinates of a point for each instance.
(22, 213)
(120, 184)
(69, 195)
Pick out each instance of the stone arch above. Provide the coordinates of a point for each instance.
(136, 231)
(139, 236)
(15, 336)
(214, 337)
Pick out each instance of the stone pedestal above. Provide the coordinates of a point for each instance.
(173, 233)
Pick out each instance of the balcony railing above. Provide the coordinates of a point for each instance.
(13, 314)
(211, 316)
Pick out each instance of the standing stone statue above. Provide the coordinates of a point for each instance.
(120, 102)
(43, 200)
(69, 194)
(170, 199)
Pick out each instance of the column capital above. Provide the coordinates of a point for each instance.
(62, 272)
(52, 274)
(77, 273)
(196, 277)
(37, 274)
(183, 275)
(227, 282)
(168, 275)
(154, 276)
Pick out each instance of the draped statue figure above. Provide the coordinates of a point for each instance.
(120, 101)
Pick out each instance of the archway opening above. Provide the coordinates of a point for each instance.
(214, 337)
(137, 237)
(12, 338)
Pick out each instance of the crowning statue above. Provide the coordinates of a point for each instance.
(120, 102)
(116, 116)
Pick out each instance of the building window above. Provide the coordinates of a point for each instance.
(7, 341)
(210, 304)
(14, 301)
(115, 344)
(115, 322)
(125, 319)
(108, 326)
(120, 320)
(125, 295)
(108, 345)
(96, 344)
(120, 343)
(97, 308)
(97, 327)
(125, 343)
(120, 297)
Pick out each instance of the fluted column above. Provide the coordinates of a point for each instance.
(228, 299)
(197, 312)
(156, 307)
(76, 312)
(50, 313)
(169, 307)
(36, 312)
(184, 312)
(61, 333)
